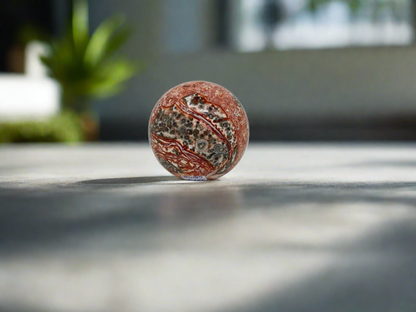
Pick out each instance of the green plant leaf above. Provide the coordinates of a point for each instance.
(97, 46)
(65, 127)
(119, 39)
(80, 24)
(88, 68)
(111, 77)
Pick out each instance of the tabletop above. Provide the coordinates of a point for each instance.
(294, 227)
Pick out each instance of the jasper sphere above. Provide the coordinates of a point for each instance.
(198, 130)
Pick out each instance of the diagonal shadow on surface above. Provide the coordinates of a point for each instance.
(375, 273)
(19, 308)
(364, 282)
(41, 219)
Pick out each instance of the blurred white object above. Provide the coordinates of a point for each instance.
(33, 65)
(23, 97)
(29, 96)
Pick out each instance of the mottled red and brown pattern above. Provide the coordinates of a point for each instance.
(198, 130)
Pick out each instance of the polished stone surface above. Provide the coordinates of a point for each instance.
(198, 131)
(294, 227)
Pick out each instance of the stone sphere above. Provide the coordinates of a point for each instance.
(198, 131)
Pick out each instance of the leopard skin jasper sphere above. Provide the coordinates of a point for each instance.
(198, 131)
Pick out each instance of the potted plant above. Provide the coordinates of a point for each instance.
(87, 66)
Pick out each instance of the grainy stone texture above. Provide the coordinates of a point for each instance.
(294, 227)
(198, 130)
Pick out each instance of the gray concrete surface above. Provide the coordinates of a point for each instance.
(294, 227)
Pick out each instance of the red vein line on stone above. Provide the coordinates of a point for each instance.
(188, 154)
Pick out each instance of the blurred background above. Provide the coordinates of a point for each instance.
(305, 70)
(327, 227)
